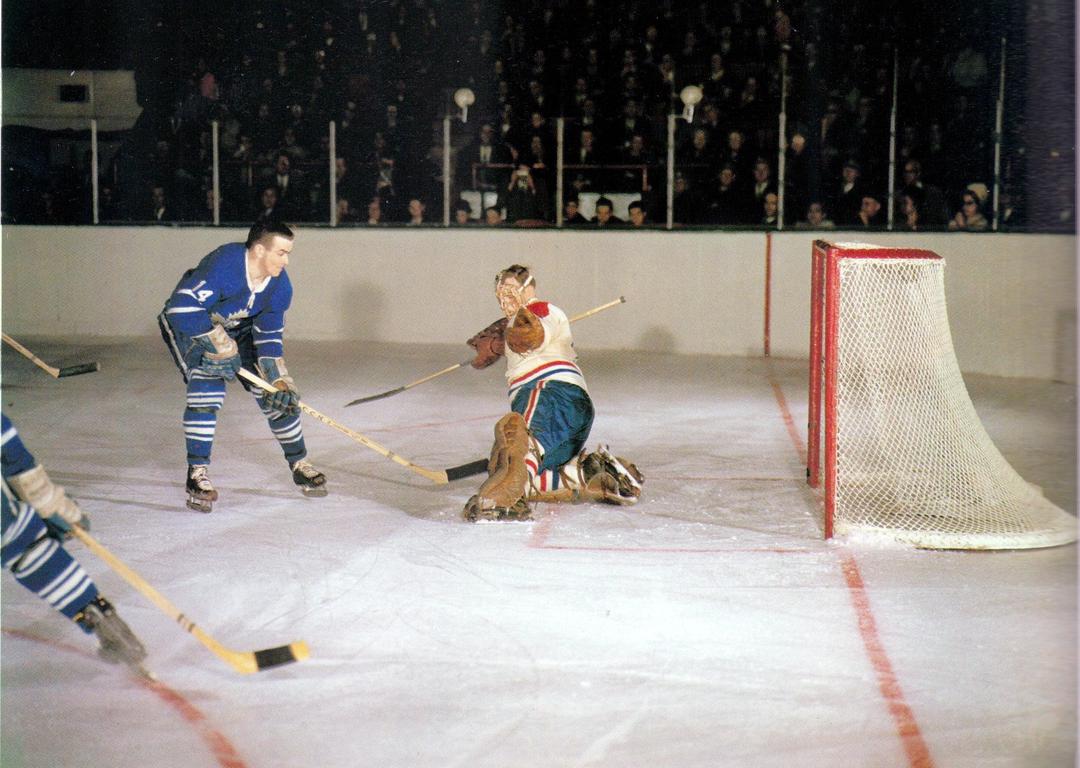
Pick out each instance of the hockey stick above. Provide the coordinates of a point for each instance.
(56, 373)
(244, 662)
(439, 476)
(388, 393)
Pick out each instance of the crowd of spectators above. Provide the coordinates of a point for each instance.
(274, 75)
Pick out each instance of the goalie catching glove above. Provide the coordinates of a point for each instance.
(287, 398)
(215, 354)
(36, 488)
(489, 344)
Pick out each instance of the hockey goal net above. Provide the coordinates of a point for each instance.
(902, 450)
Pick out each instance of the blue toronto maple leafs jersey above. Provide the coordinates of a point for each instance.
(218, 291)
(16, 458)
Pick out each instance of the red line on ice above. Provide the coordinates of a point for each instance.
(907, 727)
(914, 745)
(223, 750)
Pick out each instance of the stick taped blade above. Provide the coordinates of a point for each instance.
(466, 470)
(268, 658)
(371, 398)
(75, 370)
(285, 654)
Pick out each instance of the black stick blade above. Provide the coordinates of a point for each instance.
(466, 470)
(75, 370)
(379, 396)
(284, 654)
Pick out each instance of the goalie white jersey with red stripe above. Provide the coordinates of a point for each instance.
(555, 358)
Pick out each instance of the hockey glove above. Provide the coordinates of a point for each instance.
(526, 333)
(216, 354)
(287, 398)
(489, 344)
(60, 512)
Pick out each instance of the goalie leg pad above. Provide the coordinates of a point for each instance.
(502, 495)
(564, 495)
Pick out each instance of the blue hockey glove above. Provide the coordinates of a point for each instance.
(287, 398)
(215, 354)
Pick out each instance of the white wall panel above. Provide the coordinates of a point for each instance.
(1012, 298)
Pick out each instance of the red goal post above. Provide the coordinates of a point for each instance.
(892, 431)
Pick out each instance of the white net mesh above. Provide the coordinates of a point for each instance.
(914, 463)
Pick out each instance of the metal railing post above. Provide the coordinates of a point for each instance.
(781, 160)
(560, 125)
(999, 120)
(889, 201)
(333, 174)
(446, 173)
(671, 170)
(215, 171)
(94, 170)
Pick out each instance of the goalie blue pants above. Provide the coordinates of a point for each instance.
(559, 416)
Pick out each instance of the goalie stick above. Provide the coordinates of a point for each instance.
(56, 373)
(462, 364)
(244, 662)
(438, 476)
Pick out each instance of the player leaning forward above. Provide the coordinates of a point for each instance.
(538, 452)
(227, 313)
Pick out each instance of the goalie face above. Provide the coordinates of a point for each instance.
(513, 291)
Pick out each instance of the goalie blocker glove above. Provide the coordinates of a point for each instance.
(526, 333)
(214, 354)
(489, 344)
(287, 398)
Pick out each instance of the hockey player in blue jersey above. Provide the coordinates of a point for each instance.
(227, 313)
(37, 515)
(538, 452)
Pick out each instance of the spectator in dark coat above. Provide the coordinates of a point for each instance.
(605, 217)
(849, 198)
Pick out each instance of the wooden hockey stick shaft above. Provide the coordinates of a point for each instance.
(601, 308)
(462, 364)
(244, 662)
(56, 373)
(435, 475)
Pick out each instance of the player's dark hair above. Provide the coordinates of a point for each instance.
(267, 228)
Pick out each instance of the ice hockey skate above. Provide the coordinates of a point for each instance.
(201, 492)
(312, 482)
(475, 510)
(614, 480)
(118, 643)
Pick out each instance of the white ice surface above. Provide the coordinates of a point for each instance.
(708, 626)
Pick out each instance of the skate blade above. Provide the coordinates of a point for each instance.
(200, 506)
(143, 672)
(314, 493)
(135, 667)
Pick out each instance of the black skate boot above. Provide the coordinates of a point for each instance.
(312, 482)
(201, 493)
(118, 643)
